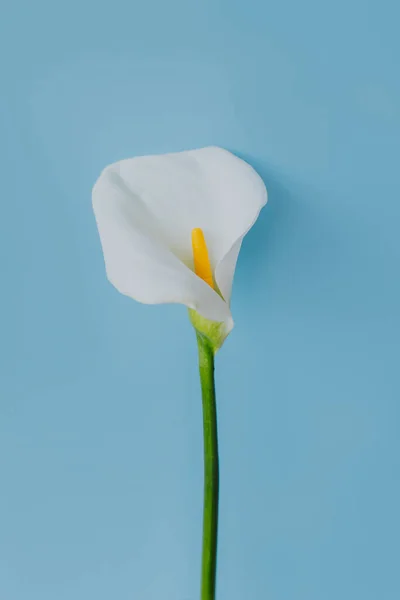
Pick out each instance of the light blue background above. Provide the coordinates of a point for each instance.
(101, 443)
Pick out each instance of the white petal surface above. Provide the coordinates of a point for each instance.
(146, 208)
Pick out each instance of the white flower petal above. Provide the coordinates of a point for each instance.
(225, 270)
(146, 208)
(138, 262)
(208, 188)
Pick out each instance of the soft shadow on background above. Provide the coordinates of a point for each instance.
(100, 415)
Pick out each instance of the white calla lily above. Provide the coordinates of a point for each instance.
(146, 208)
(171, 228)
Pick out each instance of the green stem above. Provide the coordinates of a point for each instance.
(211, 469)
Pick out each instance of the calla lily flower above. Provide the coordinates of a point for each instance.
(146, 209)
(171, 228)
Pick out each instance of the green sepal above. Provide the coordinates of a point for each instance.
(214, 331)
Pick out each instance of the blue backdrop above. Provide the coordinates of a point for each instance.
(100, 434)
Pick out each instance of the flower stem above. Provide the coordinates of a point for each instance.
(211, 469)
